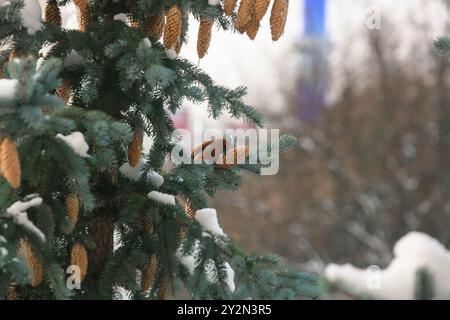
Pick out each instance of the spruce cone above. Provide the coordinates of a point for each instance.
(34, 265)
(234, 157)
(252, 28)
(178, 47)
(79, 258)
(82, 4)
(13, 293)
(154, 26)
(9, 163)
(65, 91)
(12, 55)
(172, 28)
(146, 225)
(52, 13)
(133, 22)
(245, 13)
(189, 209)
(148, 273)
(135, 148)
(73, 210)
(84, 18)
(261, 7)
(204, 36)
(278, 18)
(229, 6)
(102, 231)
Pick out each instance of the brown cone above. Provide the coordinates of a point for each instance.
(172, 28)
(79, 258)
(65, 91)
(84, 18)
(135, 148)
(154, 26)
(148, 273)
(73, 210)
(204, 36)
(12, 55)
(34, 265)
(245, 13)
(52, 13)
(261, 7)
(13, 293)
(133, 22)
(189, 209)
(146, 224)
(278, 18)
(234, 157)
(252, 28)
(178, 47)
(229, 6)
(9, 163)
(82, 4)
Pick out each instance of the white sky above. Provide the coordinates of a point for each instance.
(265, 66)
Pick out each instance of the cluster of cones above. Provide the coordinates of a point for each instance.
(220, 153)
(251, 12)
(78, 253)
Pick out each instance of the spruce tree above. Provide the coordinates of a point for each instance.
(76, 189)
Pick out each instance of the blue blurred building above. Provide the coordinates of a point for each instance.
(313, 82)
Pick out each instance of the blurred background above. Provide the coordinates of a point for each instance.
(360, 86)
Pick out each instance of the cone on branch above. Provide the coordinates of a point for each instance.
(82, 4)
(132, 20)
(172, 28)
(178, 47)
(204, 36)
(189, 209)
(229, 6)
(154, 26)
(252, 28)
(34, 265)
(148, 273)
(64, 91)
(9, 162)
(13, 293)
(79, 258)
(245, 13)
(84, 18)
(261, 7)
(12, 55)
(52, 13)
(73, 210)
(135, 147)
(278, 18)
(234, 157)
(147, 226)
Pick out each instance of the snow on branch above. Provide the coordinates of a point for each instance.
(76, 141)
(163, 198)
(208, 220)
(8, 89)
(18, 212)
(413, 252)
